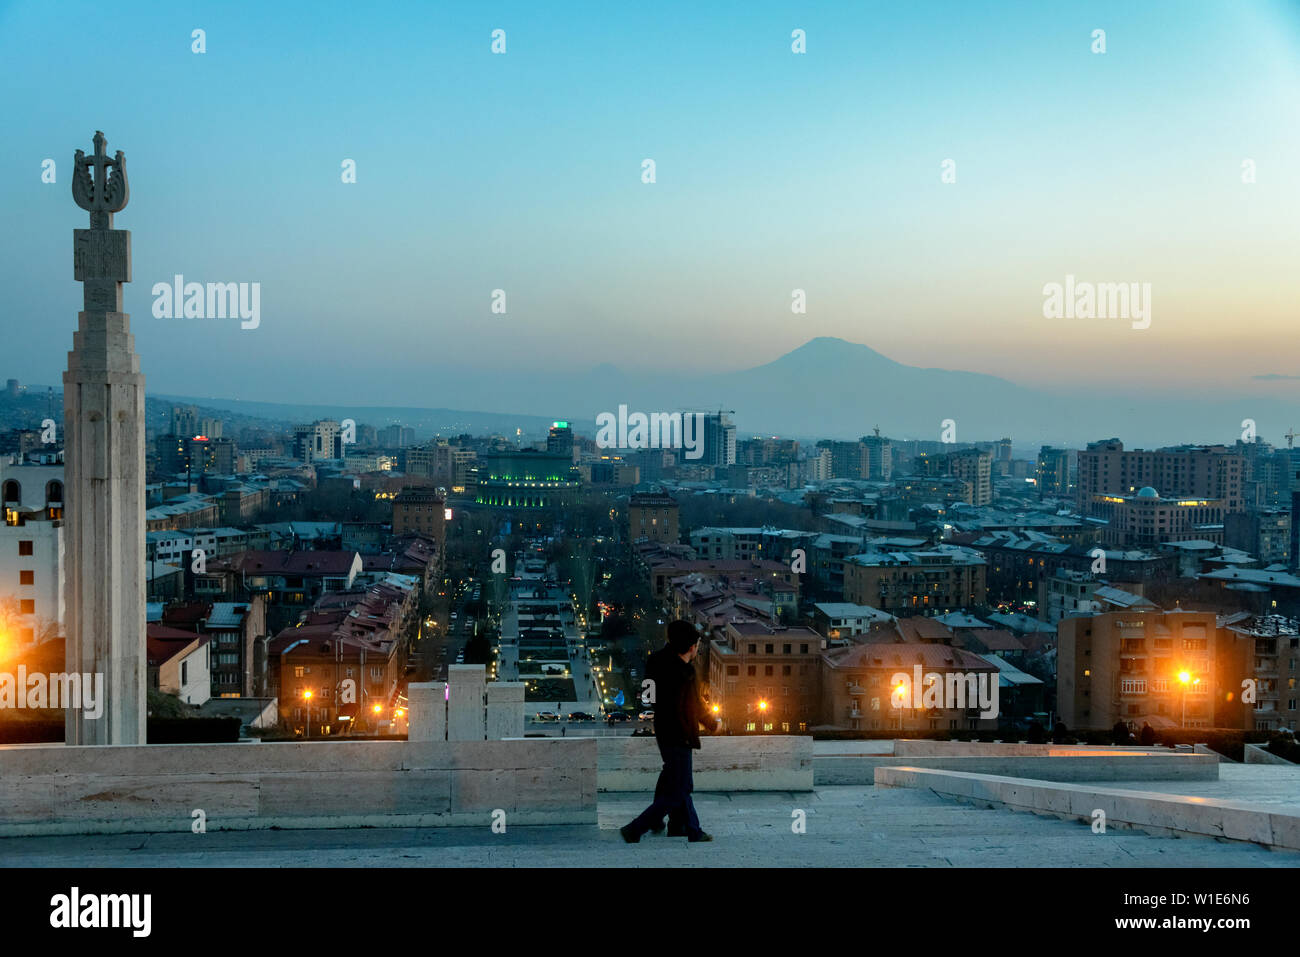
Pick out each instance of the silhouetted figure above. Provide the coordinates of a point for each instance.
(679, 712)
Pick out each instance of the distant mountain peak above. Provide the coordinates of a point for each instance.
(831, 348)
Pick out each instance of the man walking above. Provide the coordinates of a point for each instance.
(678, 715)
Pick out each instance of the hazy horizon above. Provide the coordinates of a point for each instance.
(775, 171)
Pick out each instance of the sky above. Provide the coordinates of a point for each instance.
(774, 171)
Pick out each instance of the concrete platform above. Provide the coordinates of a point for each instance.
(1063, 766)
(845, 827)
(1153, 811)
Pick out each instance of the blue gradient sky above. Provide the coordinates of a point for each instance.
(775, 171)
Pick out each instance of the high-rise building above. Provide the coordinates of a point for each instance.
(719, 440)
(817, 465)
(849, 460)
(880, 456)
(185, 420)
(1053, 472)
(322, 439)
(559, 441)
(396, 436)
(1186, 472)
(1002, 460)
(974, 467)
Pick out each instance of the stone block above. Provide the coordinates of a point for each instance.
(427, 711)
(101, 254)
(505, 710)
(466, 704)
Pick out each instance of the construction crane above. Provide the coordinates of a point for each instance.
(1290, 438)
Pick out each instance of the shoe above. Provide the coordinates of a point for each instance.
(629, 835)
(702, 836)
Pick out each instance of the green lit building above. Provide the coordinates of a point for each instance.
(527, 479)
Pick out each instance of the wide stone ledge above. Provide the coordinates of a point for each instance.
(1147, 810)
(152, 788)
(723, 763)
(1170, 766)
(923, 747)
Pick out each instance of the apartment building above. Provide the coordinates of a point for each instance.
(1210, 472)
(763, 677)
(942, 579)
(1167, 669)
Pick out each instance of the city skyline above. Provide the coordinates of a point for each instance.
(859, 437)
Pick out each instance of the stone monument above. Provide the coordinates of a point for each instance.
(103, 420)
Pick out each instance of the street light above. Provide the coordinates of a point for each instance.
(306, 696)
(1185, 677)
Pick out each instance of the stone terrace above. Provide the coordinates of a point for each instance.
(849, 826)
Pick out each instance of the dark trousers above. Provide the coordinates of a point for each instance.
(672, 794)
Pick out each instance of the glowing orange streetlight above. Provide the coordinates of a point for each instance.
(306, 696)
(1187, 680)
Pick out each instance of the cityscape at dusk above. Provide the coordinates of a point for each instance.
(531, 436)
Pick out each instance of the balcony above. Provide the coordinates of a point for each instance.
(854, 713)
(856, 689)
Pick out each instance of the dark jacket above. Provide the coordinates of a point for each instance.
(679, 712)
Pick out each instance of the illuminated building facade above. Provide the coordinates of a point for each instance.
(526, 479)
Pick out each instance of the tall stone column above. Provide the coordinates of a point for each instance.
(103, 421)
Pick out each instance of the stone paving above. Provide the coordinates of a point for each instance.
(852, 826)
(1270, 784)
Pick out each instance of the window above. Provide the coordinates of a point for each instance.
(732, 671)
(753, 649)
(803, 649)
(767, 671)
(785, 670)
(185, 673)
(29, 578)
(752, 671)
(24, 548)
(769, 649)
(785, 649)
(297, 671)
(27, 606)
